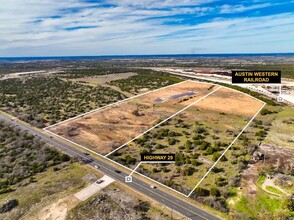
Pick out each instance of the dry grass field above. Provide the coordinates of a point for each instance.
(198, 136)
(103, 79)
(107, 129)
(231, 102)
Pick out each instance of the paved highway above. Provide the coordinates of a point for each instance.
(170, 201)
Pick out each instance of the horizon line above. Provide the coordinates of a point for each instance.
(138, 55)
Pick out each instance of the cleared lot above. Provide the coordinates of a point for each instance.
(95, 187)
(107, 129)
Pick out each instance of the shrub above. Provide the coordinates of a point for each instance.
(290, 203)
(8, 205)
(169, 183)
(142, 206)
(136, 113)
(180, 159)
(165, 170)
(64, 157)
(214, 192)
(195, 163)
(188, 145)
(200, 130)
(172, 141)
(221, 181)
(211, 150)
(261, 133)
(159, 146)
(202, 145)
(215, 156)
(154, 170)
(265, 111)
(217, 170)
(129, 160)
(189, 171)
(201, 192)
(55, 169)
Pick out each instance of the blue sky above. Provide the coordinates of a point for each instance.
(121, 27)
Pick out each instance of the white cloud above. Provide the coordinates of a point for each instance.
(130, 28)
(226, 9)
(158, 4)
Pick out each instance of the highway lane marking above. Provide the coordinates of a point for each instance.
(112, 161)
(32, 130)
(56, 142)
(176, 205)
(163, 199)
(219, 87)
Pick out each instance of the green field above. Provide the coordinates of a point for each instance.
(261, 180)
(282, 129)
(264, 206)
(273, 189)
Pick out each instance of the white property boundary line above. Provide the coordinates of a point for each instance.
(115, 103)
(105, 157)
(93, 152)
(189, 80)
(160, 123)
(182, 111)
(227, 149)
(127, 99)
(161, 184)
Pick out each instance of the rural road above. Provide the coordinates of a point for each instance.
(190, 211)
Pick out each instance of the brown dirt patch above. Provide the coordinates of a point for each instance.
(105, 130)
(109, 128)
(55, 211)
(231, 102)
(106, 78)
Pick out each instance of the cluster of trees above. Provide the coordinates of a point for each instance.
(289, 121)
(128, 160)
(22, 156)
(42, 101)
(266, 111)
(165, 132)
(262, 126)
(208, 198)
(188, 160)
(147, 80)
(261, 133)
(198, 142)
(182, 159)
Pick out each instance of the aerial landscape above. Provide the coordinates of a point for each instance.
(90, 89)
